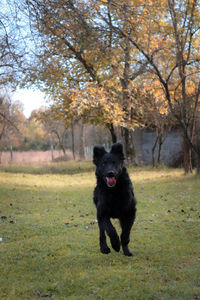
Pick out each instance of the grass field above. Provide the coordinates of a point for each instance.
(49, 236)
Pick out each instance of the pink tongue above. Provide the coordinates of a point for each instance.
(111, 181)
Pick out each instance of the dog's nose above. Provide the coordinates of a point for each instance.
(111, 174)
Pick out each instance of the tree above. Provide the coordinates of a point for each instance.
(54, 127)
(85, 57)
(11, 123)
(34, 136)
(170, 46)
(152, 113)
(92, 52)
(12, 48)
(67, 59)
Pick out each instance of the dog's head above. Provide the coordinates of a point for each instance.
(109, 164)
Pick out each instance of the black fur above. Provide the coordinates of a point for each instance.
(113, 197)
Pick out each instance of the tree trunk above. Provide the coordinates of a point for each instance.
(198, 165)
(112, 132)
(61, 144)
(160, 143)
(11, 153)
(73, 142)
(187, 158)
(196, 138)
(125, 81)
(153, 152)
(52, 153)
(82, 142)
(128, 145)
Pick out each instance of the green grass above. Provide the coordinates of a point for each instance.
(49, 246)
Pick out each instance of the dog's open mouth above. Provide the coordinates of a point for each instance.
(111, 181)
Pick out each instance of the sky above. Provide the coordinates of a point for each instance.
(31, 99)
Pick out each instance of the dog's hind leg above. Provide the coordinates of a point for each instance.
(126, 225)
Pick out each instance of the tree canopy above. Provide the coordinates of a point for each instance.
(104, 61)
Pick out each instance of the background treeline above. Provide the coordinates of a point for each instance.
(39, 132)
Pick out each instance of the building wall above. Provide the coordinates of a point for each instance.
(144, 140)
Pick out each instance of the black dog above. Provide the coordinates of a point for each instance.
(113, 197)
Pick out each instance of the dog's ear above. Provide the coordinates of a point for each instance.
(98, 153)
(117, 149)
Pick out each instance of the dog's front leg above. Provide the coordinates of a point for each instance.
(106, 225)
(126, 225)
(102, 240)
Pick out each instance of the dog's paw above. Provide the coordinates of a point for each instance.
(115, 243)
(126, 251)
(105, 250)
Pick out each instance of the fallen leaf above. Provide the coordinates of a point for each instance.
(87, 228)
